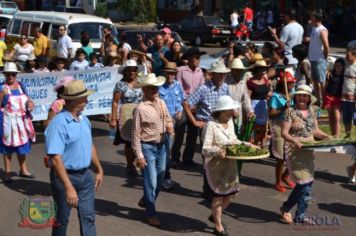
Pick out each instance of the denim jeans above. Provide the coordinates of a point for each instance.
(153, 174)
(168, 142)
(318, 69)
(301, 195)
(84, 185)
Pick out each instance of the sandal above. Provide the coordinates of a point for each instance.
(280, 188)
(286, 216)
(289, 184)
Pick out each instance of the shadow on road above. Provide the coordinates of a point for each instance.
(29, 187)
(169, 221)
(251, 214)
(255, 182)
(339, 208)
(351, 187)
(327, 177)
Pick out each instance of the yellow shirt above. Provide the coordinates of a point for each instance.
(39, 44)
(2, 50)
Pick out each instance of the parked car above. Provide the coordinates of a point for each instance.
(7, 7)
(4, 19)
(131, 36)
(203, 29)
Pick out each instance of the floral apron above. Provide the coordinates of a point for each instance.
(18, 128)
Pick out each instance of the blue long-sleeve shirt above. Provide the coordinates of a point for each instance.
(173, 97)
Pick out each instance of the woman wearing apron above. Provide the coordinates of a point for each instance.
(300, 125)
(123, 97)
(17, 131)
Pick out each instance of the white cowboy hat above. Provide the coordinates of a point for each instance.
(331, 62)
(226, 103)
(75, 89)
(130, 63)
(237, 64)
(150, 80)
(305, 89)
(10, 67)
(259, 63)
(219, 67)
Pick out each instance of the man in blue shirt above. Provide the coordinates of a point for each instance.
(171, 92)
(71, 150)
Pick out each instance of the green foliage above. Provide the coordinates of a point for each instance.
(139, 10)
(102, 10)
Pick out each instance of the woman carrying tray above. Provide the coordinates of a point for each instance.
(300, 125)
(221, 172)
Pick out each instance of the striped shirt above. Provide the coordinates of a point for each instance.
(205, 98)
(150, 121)
(239, 92)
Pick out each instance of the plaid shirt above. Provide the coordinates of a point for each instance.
(239, 92)
(150, 122)
(172, 96)
(205, 98)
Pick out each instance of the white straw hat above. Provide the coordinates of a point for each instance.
(305, 89)
(10, 67)
(150, 80)
(219, 67)
(226, 103)
(237, 64)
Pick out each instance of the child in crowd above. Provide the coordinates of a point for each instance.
(59, 65)
(331, 95)
(94, 64)
(41, 65)
(79, 63)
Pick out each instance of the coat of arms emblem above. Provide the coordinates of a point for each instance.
(38, 212)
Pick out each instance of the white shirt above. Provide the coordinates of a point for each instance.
(316, 45)
(291, 35)
(77, 65)
(22, 53)
(64, 43)
(234, 18)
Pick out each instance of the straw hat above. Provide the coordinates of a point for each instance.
(170, 67)
(63, 82)
(219, 67)
(256, 57)
(150, 80)
(305, 89)
(237, 64)
(75, 89)
(260, 64)
(10, 67)
(226, 103)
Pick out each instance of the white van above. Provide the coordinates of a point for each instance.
(25, 22)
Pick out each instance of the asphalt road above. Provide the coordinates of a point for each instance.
(182, 211)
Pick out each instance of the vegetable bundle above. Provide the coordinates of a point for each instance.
(329, 143)
(244, 151)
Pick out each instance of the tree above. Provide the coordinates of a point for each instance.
(140, 10)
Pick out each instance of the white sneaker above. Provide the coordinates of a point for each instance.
(352, 178)
(168, 184)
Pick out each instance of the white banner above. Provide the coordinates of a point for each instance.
(40, 89)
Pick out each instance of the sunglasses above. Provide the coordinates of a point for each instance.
(23, 38)
(61, 29)
(11, 74)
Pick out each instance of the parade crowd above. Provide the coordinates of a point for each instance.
(167, 94)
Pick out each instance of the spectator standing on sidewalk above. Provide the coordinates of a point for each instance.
(318, 54)
(70, 147)
(248, 16)
(41, 45)
(64, 43)
(234, 19)
(291, 35)
(191, 78)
